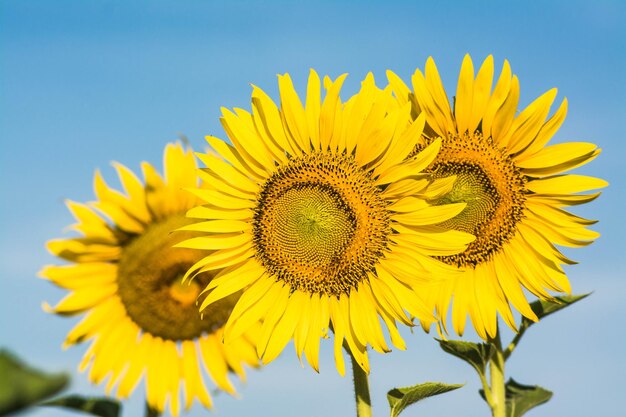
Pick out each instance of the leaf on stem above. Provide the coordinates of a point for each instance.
(476, 354)
(97, 406)
(401, 398)
(521, 398)
(23, 386)
(543, 308)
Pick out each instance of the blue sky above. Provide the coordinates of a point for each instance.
(85, 83)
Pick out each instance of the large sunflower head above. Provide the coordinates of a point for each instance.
(125, 275)
(514, 187)
(319, 212)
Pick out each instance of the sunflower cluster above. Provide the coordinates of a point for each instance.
(324, 218)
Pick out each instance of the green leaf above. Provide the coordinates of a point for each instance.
(401, 398)
(97, 406)
(543, 308)
(476, 354)
(23, 386)
(521, 398)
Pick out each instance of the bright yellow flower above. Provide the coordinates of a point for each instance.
(126, 276)
(319, 215)
(514, 188)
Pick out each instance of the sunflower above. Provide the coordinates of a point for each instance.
(125, 275)
(514, 188)
(318, 213)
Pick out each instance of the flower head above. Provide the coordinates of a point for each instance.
(124, 274)
(514, 188)
(319, 213)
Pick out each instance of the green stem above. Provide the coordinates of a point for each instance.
(511, 347)
(151, 412)
(486, 388)
(361, 389)
(496, 370)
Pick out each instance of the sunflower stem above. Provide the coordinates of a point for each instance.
(151, 412)
(511, 347)
(496, 370)
(361, 390)
(486, 388)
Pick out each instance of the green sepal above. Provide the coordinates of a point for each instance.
(97, 406)
(521, 398)
(23, 386)
(543, 308)
(401, 398)
(476, 354)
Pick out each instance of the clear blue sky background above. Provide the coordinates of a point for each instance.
(85, 83)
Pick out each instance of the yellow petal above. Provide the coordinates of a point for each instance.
(285, 327)
(274, 313)
(406, 187)
(505, 114)
(84, 298)
(319, 320)
(246, 141)
(212, 181)
(369, 306)
(400, 89)
(229, 281)
(135, 190)
(221, 200)
(328, 111)
(278, 151)
(405, 143)
(90, 224)
(408, 204)
(220, 259)
(308, 318)
(547, 130)
(463, 295)
(242, 318)
(293, 112)
(312, 108)
(387, 299)
(77, 276)
(433, 99)
(214, 363)
(556, 215)
(566, 200)
(339, 328)
(267, 116)
(233, 166)
(412, 166)
(194, 383)
(212, 212)
(430, 214)
(94, 321)
(500, 93)
(464, 96)
(116, 206)
(432, 240)
(155, 384)
(482, 93)
(511, 286)
(528, 123)
(358, 350)
(214, 242)
(565, 184)
(373, 145)
(408, 299)
(218, 226)
(558, 158)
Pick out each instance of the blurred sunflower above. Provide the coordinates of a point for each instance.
(319, 214)
(127, 278)
(514, 188)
